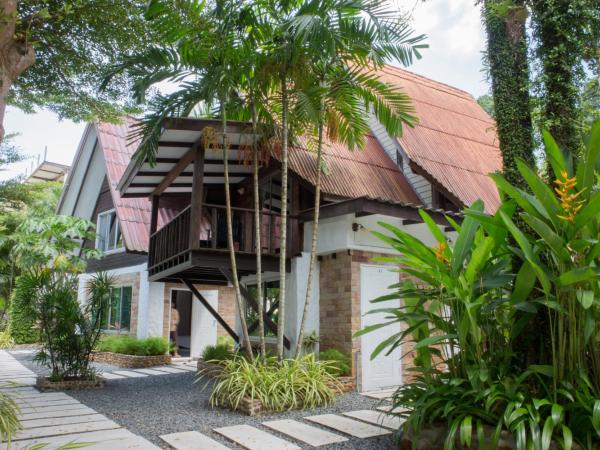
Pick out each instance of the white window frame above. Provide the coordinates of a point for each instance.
(117, 231)
(108, 320)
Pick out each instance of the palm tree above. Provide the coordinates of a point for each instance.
(345, 40)
(201, 51)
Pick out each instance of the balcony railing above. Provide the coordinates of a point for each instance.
(173, 240)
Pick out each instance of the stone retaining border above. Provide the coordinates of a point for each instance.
(131, 361)
(44, 384)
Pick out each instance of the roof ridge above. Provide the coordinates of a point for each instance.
(404, 73)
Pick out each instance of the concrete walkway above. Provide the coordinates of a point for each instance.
(55, 418)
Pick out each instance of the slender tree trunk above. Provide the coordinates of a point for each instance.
(283, 230)
(236, 281)
(315, 234)
(257, 231)
(16, 55)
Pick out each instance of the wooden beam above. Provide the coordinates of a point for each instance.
(211, 310)
(154, 214)
(197, 198)
(179, 167)
(252, 302)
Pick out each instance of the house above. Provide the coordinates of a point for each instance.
(144, 212)
(48, 171)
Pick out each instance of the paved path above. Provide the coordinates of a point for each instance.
(317, 431)
(56, 419)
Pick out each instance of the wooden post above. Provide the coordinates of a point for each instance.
(154, 216)
(294, 229)
(197, 198)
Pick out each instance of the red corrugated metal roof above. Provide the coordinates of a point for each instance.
(455, 142)
(367, 173)
(133, 213)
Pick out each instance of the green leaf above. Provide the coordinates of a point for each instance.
(586, 298)
(434, 229)
(555, 156)
(578, 275)
(587, 167)
(547, 433)
(434, 340)
(466, 431)
(524, 283)
(567, 437)
(557, 413)
(465, 238)
(548, 235)
(542, 369)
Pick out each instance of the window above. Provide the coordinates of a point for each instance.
(271, 305)
(399, 160)
(117, 314)
(108, 232)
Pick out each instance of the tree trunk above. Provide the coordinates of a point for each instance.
(509, 71)
(315, 233)
(230, 246)
(257, 232)
(558, 28)
(283, 230)
(16, 55)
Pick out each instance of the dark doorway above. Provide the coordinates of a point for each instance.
(183, 304)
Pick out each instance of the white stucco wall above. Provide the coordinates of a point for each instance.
(150, 299)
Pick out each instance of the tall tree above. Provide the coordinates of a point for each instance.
(346, 41)
(509, 73)
(566, 34)
(53, 51)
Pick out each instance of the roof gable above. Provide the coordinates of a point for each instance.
(455, 142)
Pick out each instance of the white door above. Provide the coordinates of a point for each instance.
(383, 371)
(204, 325)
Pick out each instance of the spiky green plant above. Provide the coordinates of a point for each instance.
(9, 420)
(280, 386)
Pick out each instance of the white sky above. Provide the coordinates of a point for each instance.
(454, 34)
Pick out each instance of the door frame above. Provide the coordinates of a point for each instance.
(364, 357)
(171, 289)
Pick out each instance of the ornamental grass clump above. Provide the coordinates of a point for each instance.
(9, 419)
(130, 345)
(280, 386)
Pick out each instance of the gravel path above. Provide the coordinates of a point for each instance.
(157, 405)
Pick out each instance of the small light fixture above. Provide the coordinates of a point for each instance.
(357, 227)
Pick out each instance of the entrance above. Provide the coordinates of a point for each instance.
(183, 304)
(197, 328)
(385, 370)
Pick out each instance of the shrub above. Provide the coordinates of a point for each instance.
(341, 363)
(6, 340)
(130, 345)
(225, 340)
(68, 330)
(22, 313)
(9, 420)
(529, 269)
(218, 353)
(280, 386)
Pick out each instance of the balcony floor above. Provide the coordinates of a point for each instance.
(205, 266)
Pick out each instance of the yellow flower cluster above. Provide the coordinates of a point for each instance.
(440, 249)
(568, 197)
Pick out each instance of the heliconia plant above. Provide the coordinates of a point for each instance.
(530, 269)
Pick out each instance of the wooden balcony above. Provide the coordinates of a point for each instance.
(175, 255)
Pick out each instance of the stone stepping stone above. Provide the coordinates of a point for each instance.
(151, 371)
(56, 421)
(192, 440)
(348, 426)
(252, 438)
(81, 411)
(305, 433)
(129, 373)
(34, 403)
(184, 367)
(99, 438)
(379, 395)
(104, 424)
(27, 396)
(111, 376)
(169, 369)
(45, 409)
(376, 418)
